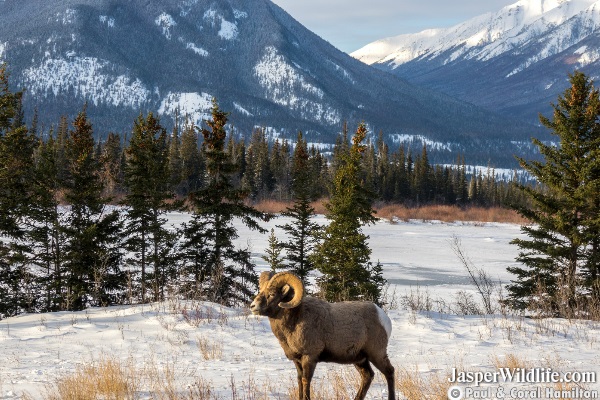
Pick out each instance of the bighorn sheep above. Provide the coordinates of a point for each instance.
(311, 330)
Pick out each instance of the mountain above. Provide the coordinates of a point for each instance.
(514, 61)
(127, 57)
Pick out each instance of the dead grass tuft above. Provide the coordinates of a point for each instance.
(414, 386)
(510, 361)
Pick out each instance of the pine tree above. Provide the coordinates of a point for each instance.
(223, 273)
(344, 255)
(301, 231)
(91, 252)
(149, 197)
(560, 257)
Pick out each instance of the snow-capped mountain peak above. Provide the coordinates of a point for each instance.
(514, 60)
(485, 36)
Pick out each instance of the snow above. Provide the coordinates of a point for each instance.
(242, 352)
(238, 14)
(196, 106)
(90, 78)
(242, 110)
(166, 23)
(109, 21)
(3, 46)
(285, 85)
(561, 23)
(198, 50)
(228, 31)
(431, 144)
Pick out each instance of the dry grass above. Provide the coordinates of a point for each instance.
(393, 212)
(449, 214)
(106, 379)
(510, 361)
(210, 349)
(414, 386)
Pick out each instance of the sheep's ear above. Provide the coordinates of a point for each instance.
(285, 290)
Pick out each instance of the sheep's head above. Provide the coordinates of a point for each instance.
(276, 291)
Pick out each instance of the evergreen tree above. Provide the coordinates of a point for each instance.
(16, 199)
(47, 234)
(192, 164)
(301, 231)
(111, 160)
(149, 197)
(17, 145)
(344, 256)
(223, 273)
(273, 253)
(91, 254)
(560, 257)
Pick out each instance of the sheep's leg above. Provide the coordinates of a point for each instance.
(299, 373)
(387, 369)
(308, 369)
(367, 374)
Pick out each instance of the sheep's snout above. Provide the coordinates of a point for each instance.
(254, 308)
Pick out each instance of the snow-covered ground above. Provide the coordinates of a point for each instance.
(233, 351)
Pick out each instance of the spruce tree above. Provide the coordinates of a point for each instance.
(91, 258)
(223, 273)
(149, 197)
(344, 255)
(273, 255)
(301, 231)
(17, 145)
(560, 265)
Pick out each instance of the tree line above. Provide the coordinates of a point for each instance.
(83, 221)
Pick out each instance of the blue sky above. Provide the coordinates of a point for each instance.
(351, 24)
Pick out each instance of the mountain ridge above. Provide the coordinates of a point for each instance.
(515, 60)
(123, 58)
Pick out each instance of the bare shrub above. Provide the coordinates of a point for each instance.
(479, 277)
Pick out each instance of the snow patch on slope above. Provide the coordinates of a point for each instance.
(196, 106)
(89, 78)
(284, 85)
(3, 46)
(198, 50)
(229, 30)
(166, 23)
(242, 110)
(412, 139)
(109, 21)
(67, 17)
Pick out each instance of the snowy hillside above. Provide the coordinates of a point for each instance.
(529, 46)
(191, 345)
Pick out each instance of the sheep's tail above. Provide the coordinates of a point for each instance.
(385, 321)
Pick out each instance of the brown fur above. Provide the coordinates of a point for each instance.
(317, 331)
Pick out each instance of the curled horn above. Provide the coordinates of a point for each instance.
(287, 278)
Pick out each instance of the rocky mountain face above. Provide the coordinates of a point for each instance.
(174, 56)
(514, 61)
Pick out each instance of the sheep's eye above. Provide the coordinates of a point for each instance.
(271, 295)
